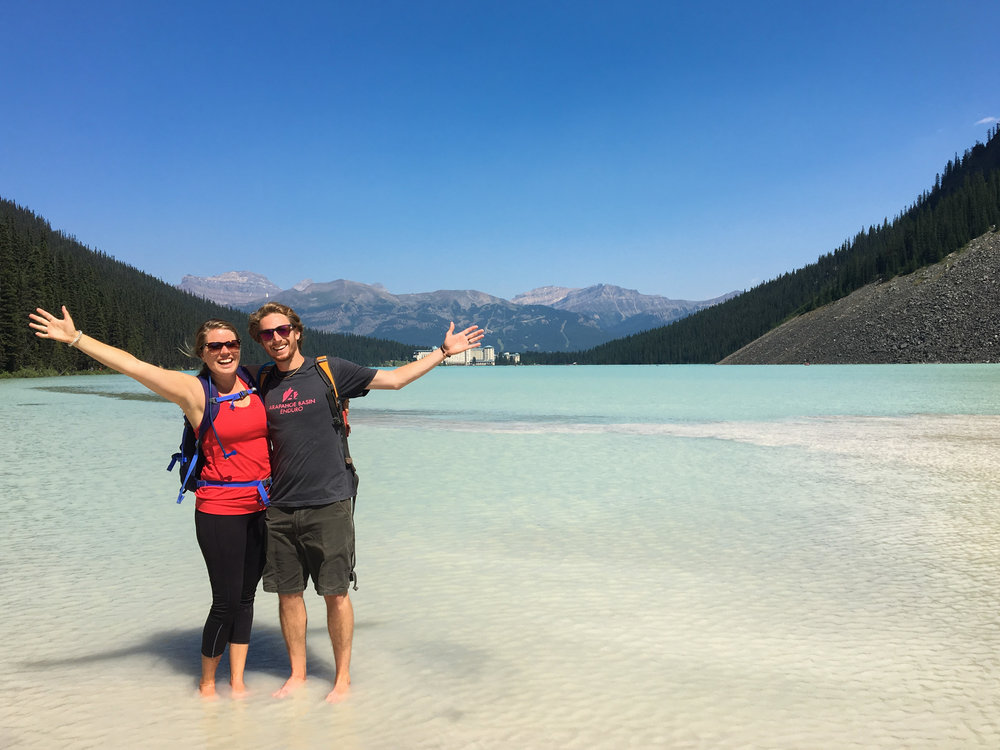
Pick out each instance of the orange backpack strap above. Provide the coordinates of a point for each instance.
(338, 406)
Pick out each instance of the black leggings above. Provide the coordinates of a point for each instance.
(234, 549)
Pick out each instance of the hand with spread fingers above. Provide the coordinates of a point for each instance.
(456, 343)
(48, 326)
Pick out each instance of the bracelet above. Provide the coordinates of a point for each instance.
(443, 352)
(79, 334)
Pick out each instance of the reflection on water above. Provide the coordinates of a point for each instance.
(541, 578)
(125, 395)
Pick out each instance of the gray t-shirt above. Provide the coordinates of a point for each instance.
(307, 457)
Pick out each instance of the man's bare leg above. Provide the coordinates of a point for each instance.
(237, 663)
(206, 687)
(340, 623)
(292, 613)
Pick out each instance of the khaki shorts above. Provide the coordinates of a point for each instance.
(315, 542)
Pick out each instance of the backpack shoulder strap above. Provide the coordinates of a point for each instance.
(244, 374)
(338, 406)
(206, 417)
(263, 375)
(324, 366)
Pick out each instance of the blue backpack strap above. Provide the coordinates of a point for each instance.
(178, 458)
(214, 402)
(190, 470)
(262, 486)
(212, 405)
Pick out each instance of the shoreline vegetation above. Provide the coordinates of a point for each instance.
(52, 372)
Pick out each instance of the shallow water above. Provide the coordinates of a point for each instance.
(725, 557)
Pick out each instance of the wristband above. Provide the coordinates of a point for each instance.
(443, 352)
(79, 335)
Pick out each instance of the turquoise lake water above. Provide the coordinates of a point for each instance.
(578, 557)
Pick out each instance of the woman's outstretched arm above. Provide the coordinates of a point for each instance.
(181, 388)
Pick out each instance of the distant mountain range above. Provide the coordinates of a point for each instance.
(618, 312)
(543, 319)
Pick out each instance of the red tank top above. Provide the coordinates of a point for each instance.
(243, 429)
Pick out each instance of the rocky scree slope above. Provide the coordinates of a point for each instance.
(948, 312)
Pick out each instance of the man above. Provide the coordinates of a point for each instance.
(310, 520)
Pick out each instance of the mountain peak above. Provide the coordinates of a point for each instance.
(543, 295)
(230, 288)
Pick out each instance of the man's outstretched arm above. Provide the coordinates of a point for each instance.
(454, 343)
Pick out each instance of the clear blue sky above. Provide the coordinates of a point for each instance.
(678, 148)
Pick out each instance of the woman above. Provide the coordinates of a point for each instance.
(229, 520)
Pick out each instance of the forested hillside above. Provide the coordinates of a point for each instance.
(116, 303)
(963, 204)
(945, 312)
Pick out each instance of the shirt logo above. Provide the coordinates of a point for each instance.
(290, 403)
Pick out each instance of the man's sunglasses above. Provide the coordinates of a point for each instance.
(266, 334)
(216, 346)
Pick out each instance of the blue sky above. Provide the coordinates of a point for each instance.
(682, 149)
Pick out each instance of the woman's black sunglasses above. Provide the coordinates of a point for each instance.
(216, 346)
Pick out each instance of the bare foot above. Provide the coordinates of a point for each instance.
(207, 691)
(339, 693)
(239, 688)
(291, 685)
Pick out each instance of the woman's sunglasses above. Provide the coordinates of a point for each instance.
(266, 334)
(216, 346)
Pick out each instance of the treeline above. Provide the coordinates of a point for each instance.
(963, 204)
(118, 304)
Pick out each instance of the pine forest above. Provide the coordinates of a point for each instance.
(118, 304)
